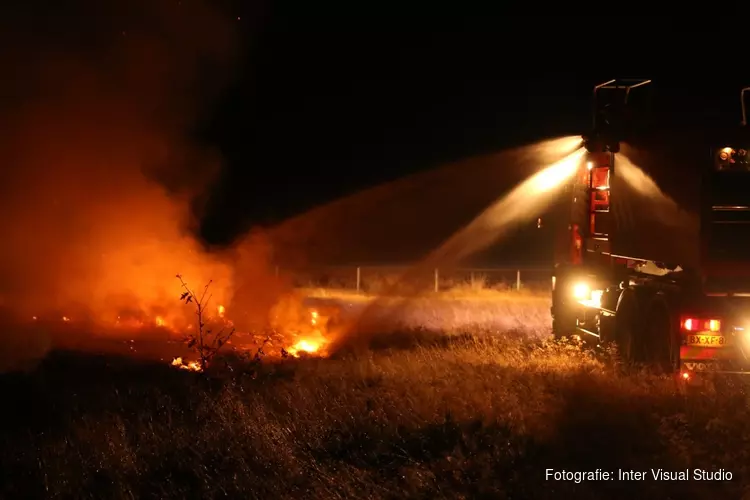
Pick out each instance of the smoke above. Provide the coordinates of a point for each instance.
(102, 179)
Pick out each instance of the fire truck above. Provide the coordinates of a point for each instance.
(665, 279)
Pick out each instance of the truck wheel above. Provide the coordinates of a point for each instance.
(606, 330)
(564, 320)
(664, 347)
(606, 324)
(563, 324)
(627, 326)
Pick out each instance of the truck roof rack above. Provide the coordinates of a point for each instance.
(742, 103)
(626, 84)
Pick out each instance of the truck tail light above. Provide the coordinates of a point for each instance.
(700, 325)
(690, 324)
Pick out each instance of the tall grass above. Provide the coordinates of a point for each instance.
(473, 415)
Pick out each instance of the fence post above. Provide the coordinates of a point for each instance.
(518, 279)
(437, 280)
(359, 276)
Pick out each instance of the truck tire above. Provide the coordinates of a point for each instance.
(663, 347)
(628, 327)
(564, 319)
(606, 324)
(563, 323)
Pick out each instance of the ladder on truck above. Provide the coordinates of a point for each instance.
(598, 191)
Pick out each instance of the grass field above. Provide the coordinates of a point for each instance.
(475, 414)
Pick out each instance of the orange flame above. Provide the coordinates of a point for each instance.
(190, 365)
(306, 346)
(312, 343)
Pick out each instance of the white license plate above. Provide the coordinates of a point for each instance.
(706, 340)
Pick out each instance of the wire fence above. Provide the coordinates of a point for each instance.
(375, 278)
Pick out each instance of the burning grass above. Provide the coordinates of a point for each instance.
(462, 416)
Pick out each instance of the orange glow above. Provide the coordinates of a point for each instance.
(193, 366)
(104, 179)
(305, 346)
(308, 328)
(106, 185)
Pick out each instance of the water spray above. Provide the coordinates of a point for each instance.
(522, 203)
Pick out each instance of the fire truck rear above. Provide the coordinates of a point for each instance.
(670, 286)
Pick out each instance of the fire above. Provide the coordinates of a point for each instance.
(193, 366)
(306, 346)
(160, 321)
(221, 310)
(313, 342)
(65, 318)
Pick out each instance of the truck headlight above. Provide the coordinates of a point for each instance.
(596, 298)
(581, 291)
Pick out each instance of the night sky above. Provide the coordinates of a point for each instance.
(324, 107)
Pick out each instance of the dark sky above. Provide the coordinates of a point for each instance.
(322, 113)
(324, 107)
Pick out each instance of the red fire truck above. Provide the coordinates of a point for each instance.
(667, 279)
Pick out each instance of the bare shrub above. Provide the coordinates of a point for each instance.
(207, 342)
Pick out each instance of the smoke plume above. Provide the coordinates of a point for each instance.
(101, 175)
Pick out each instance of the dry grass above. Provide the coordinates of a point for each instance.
(464, 416)
(487, 310)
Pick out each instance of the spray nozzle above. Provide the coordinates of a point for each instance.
(600, 143)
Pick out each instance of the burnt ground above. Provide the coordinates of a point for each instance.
(417, 416)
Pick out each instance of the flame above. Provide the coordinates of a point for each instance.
(160, 321)
(306, 346)
(312, 343)
(65, 318)
(221, 311)
(190, 365)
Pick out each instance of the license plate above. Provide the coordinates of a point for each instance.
(706, 340)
